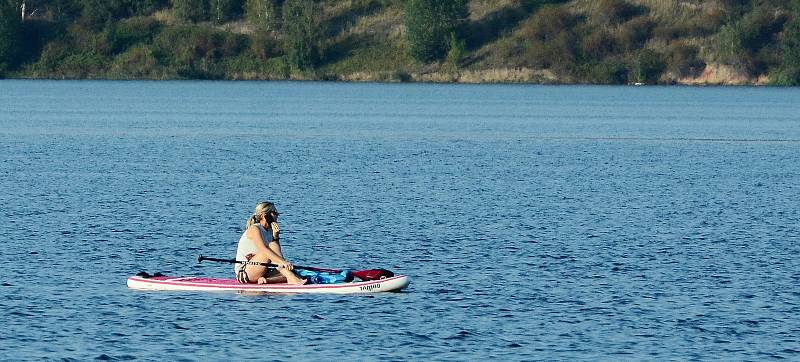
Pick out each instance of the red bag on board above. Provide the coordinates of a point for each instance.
(373, 274)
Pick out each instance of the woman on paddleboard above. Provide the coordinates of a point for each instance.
(260, 243)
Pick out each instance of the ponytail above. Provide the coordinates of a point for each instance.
(262, 208)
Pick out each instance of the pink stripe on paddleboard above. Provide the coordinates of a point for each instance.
(233, 284)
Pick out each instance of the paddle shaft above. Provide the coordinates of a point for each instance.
(201, 258)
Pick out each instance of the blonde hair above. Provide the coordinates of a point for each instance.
(262, 208)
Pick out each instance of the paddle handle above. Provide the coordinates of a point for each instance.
(201, 258)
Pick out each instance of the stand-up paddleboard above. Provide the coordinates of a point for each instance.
(393, 284)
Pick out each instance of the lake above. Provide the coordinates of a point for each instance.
(536, 222)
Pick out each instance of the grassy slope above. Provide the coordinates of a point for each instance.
(365, 41)
(374, 44)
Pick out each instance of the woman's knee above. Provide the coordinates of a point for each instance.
(260, 258)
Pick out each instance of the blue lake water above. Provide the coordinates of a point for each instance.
(536, 222)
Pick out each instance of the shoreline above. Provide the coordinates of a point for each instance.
(380, 81)
(714, 75)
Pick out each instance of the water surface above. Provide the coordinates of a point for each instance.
(536, 222)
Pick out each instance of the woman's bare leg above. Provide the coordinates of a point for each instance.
(272, 277)
(291, 277)
(259, 274)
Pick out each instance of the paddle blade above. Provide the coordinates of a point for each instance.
(373, 274)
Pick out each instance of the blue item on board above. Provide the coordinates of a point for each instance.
(315, 277)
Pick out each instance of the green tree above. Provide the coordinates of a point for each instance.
(191, 10)
(429, 25)
(648, 66)
(263, 14)
(301, 33)
(456, 50)
(10, 34)
(790, 44)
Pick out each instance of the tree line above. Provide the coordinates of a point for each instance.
(613, 41)
(85, 34)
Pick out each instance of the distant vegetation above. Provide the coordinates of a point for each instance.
(578, 41)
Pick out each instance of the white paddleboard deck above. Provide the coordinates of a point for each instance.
(393, 284)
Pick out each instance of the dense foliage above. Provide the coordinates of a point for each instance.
(301, 34)
(604, 41)
(431, 24)
(10, 34)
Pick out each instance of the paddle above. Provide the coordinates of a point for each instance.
(369, 274)
(201, 258)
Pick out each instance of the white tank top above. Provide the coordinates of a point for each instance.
(247, 246)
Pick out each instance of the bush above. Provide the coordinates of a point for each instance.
(52, 55)
(549, 23)
(549, 40)
(788, 77)
(558, 54)
(170, 48)
(648, 67)
(609, 71)
(682, 60)
(138, 62)
(599, 45)
(401, 76)
(133, 31)
(277, 68)
(186, 45)
(635, 33)
(100, 43)
(373, 58)
(233, 44)
(82, 65)
(617, 11)
(246, 67)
